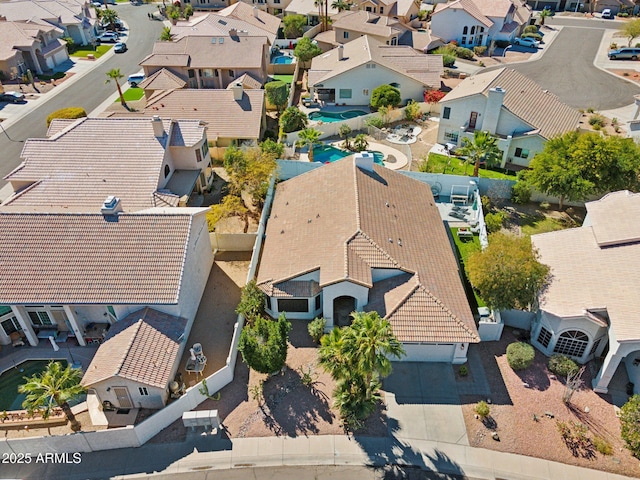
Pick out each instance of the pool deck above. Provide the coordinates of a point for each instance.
(69, 351)
(401, 159)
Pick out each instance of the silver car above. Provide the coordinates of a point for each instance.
(625, 54)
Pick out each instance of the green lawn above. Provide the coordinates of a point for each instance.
(442, 164)
(532, 225)
(285, 78)
(464, 248)
(98, 52)
(132, 94)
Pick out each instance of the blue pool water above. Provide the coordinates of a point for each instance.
(280, 59)
(329, 117)
(327, 153)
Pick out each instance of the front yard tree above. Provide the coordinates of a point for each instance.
(231, 206)
(385, 96)
(55, 386)
(293, 119)
(264, 344)
(305, 50)
(252, 301)
(277, 93)
(249, 171)
(630, 420)
(309, 136)
(483, 148)
(341, 5)
(507, 274)
(109, 17)
(544, 14)
(294, 25)
(631, 30)
(115, 75)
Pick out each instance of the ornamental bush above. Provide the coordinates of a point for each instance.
(264, 344)
(465, 53)
(520, 355)
(316, 328)
(482, 409)
(385, 96)
(494, 221)
(535, 36)
(630, 419)
(479, 50)
(530, 29)
(69, 112)
(562, 365)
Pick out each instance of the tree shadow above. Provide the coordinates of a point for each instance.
(292, 408)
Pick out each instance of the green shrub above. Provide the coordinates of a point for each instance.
(521, 193)
(376, 121)
(465, 53)
(482, 409)
(597, 121)
(385, 96)
(412, 111)
(479, 50)
(316, 328)
(535, 36)
(463, 371)
(602, 445)
(623, 14)
(520, 355)
(486, 204)
(69, 112)
(530, 29)
(448, 60)
(494, 221)
(562, 365)
(630, 419)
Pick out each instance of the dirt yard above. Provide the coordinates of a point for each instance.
(522, 414)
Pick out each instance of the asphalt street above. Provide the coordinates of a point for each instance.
(567, 67)
(88, 92)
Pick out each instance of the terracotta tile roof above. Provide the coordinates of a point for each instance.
(368, 23)
(610, 217)
(21, 34)
(163, 198)
(142, 347)
(345, 221)
(524, 98)
(201, 52)
(402, 59)
(253, 15)
(59, 124)
(468, 6)
(163, 79)
(224, 116)
(53, 11)
(495, 8)
(247, 82)
(586, 276)
(88, 258)
(296, 288)
(83, 164)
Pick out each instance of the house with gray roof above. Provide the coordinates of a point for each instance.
(354, 236)
(510, 106)
(349, 73)
(591, 304)
(137, 360)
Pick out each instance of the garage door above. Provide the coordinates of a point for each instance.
(428, 352)
(60, 57)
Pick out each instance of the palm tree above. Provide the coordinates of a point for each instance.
(166, 35)
(320, 4)
(544, 14)
(109, 17)
(115, 75)
(341, 5)
(484, 147)
(309, 136)
(360, 142)
(53, 387)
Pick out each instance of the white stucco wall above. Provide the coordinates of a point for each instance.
(432, 352)
(156, 399)
(331, 292)
(362, 81)
(448, 25)
(184, 158)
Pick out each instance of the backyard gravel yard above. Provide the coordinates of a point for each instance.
(513, 406)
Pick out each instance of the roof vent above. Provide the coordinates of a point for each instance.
(391, 240)
(340, 52)
(111, 206)
(399, 242)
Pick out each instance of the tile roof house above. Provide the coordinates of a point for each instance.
(35, 46)
(232, 116)
(358, 236)
(74, 274)
(137, 360)
(74, 17)
(145, 162)
(478, 22)
(511, 107)
(404, 10)
(367, 64)
(211, 61)
(592, 298)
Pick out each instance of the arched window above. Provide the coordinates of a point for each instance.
(465, 30)
(480, 29)
(572, 343)
(167, 171)
(473, 30)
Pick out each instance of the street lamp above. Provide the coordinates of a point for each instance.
(504, 52)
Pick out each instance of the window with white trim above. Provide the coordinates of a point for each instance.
(39, 318)
(572, 343)
(544, 337)
(446, 113)
(345, 35)
(11, 325)
(522, 153)
(345, 93)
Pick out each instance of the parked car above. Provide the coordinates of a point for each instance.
(526, 42)
(12, 97)
(606, 13)
(117, 25)
(120, 47)
(135, 79)
(625, 54)
(108, 37)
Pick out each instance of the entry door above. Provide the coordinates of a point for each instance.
(122, 396)
(472, 120)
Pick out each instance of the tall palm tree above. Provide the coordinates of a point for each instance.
(483, 147)
(115, 75)
(309, 136)
(544, 14)
(320, 4)
(109, 16)
(341, 5)
(53, 387)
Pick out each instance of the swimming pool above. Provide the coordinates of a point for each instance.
(328, 153)
(329, 117)
(282, 59)
(10, 399)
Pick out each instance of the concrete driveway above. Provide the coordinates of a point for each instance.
(567, 69)
(423, 399)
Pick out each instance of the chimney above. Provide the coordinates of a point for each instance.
(364, 161)
(237, 91)
(340, 52)
(492, 109)
(255, 12)
(158, 128)
(111, 206)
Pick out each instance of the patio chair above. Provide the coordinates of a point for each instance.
(458, 215)
(458, 208)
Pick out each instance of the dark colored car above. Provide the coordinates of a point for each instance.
(120, 47)
(12, 97)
